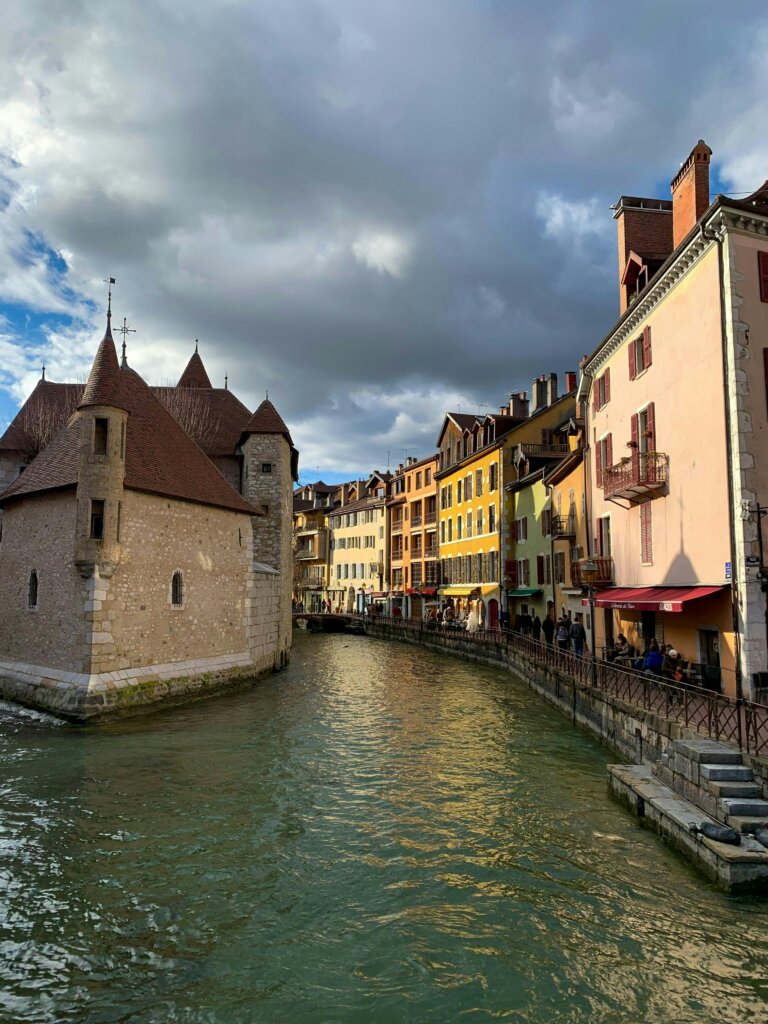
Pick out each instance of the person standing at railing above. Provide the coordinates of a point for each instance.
(563, 634)
(536, 628)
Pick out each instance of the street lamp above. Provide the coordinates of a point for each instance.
(589, 579)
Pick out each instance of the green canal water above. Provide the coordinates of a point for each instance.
(378, 835)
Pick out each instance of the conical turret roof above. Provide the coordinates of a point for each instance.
(267, 420)
(195, 375)
(103, 386)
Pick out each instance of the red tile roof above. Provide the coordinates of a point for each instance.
(267, 420)
(195, 375)
(225, 414)
(160, 458)
(41, 417)
(103, 386)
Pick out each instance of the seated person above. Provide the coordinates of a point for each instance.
(653, 659)
(623, 651)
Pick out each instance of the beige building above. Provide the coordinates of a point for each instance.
(132, 572)
(358, 543)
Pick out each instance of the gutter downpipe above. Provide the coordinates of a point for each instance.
(714, 237)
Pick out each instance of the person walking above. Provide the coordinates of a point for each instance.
(548, 629)
(578, 636)
(562, 634)
(536, 628)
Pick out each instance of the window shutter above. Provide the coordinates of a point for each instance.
(599, 541)
(632, 372)
(647, 347)
(548, 561)
(762, 268)
(599, 463)
(595, 396)
(539, 569)
(609, 450)
(646, 533)
(635, 449)
(527, 572)
(650, 413)
(607, 389)
(514, 531)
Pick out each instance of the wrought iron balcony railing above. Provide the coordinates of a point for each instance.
(638, 477)
(564, 526)
(604, 571)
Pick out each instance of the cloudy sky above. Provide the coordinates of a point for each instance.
(374, 210)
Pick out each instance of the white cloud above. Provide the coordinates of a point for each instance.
(381, 251)
(570, 221)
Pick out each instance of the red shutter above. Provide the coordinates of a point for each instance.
(650, 468)
(647, 347)
(609, 450)
(646, 533)
(599, 540)
(595, 393)
(599, 463)
(539, 569)
(514, 530)
(632, 371)
(607, 376)
(762, 270)
(635, 449)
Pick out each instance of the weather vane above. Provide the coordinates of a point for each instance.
(109, 281)
(125, 330)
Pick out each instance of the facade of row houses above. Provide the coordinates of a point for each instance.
(568, 532)
(413, 570)
(143, 559)
(677, 456)
(358, 544)
(311, 504)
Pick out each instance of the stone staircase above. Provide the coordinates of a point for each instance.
(701, 781)
(712, 776)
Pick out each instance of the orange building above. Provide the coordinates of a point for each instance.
(413, 569)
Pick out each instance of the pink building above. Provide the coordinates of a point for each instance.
(677, 431)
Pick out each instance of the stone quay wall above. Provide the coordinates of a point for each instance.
(637, 735)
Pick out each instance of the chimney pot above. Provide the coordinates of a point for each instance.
(690, 192)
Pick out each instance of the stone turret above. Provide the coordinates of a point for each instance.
(270, 467)
(101, 465)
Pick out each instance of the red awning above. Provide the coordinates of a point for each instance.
(424, 592)
(651, 599)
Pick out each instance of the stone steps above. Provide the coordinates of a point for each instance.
(744, 790)
(734, 806)
(727, 773)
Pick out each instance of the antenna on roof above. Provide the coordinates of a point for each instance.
(226, 382)
(43, 376)
(125, 330)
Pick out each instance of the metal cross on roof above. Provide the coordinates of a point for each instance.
(125, 330)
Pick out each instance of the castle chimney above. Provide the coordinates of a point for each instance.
(551, 388)
(571, 381)
(518, 405)
(538, 394)
(690, 192)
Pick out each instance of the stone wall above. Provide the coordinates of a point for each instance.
(272, 492)
(134, 622)
(39, 534)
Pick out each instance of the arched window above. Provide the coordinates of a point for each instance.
(177, 590)
(32, 592)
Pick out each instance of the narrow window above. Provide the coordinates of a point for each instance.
(122, 440)
(32, 592)
(266, 467)
(119, 518)
(97, 520)
(177, 590)
(100, 435)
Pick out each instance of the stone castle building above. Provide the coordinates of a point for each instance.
(145, 552)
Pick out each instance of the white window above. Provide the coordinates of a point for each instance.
(522, 529)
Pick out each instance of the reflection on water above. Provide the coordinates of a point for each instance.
(375, 835)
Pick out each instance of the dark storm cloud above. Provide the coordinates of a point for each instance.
(370, 209)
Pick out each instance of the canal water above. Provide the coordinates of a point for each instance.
(376, 835)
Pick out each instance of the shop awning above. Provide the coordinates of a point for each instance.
(651, 599)
(467, 589)
(524, 592)
(424, 592)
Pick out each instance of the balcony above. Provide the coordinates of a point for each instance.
(430, 517)
(638, 477)
(415, 522)
(397, 526)
(564, 526)
(307, 555)
(430, 551)
(312, 531)
(604, 571)
(539, 451)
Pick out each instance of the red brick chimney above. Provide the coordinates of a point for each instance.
(645, 240)
(571, 381)
(690, 192)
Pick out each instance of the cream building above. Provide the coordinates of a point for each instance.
(358, 543)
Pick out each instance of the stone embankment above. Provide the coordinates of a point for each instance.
(672, 779)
